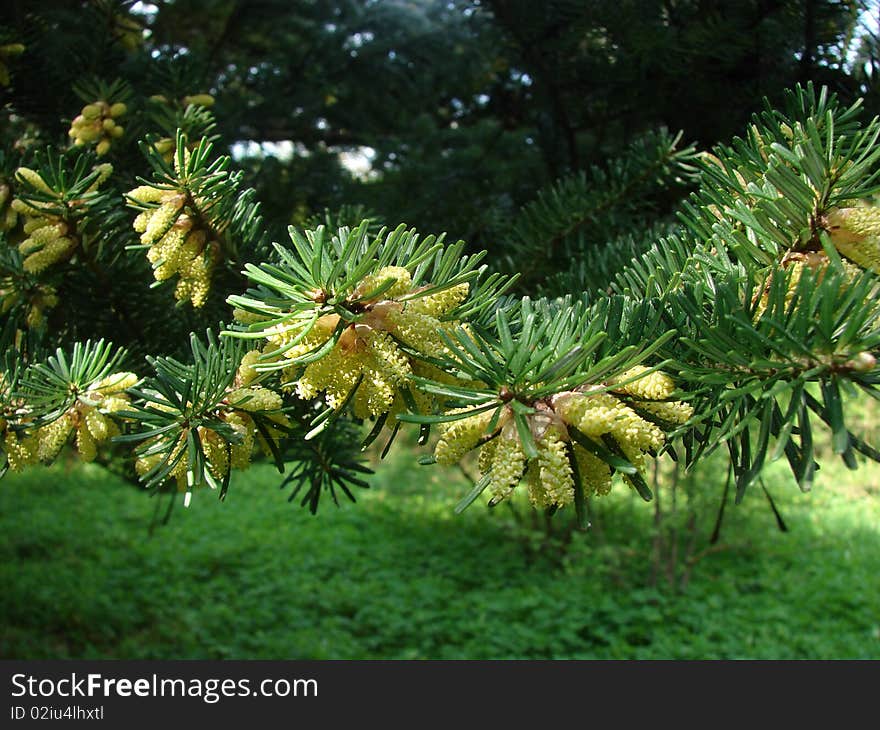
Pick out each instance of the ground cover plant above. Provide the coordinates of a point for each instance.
(400, 576)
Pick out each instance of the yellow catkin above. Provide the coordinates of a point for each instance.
(283, 335)
(460, 436)
(89, 417)
(115, 383)
(795, 272)
(364, 355)
(216, 452)
(85, 444)
(53, 252)
(145, 464)
(371, 282)
(595, 474)
(49, 236)
(418, 331)
(93, 426)
(35, 223)
(598, 415)
(182, 165)
(146, 194)
(508, 465)
(20, 452)
(534, 486)
(195, 280)
(441, 303)
(858, 221)
(42, 236)
(254, 399)
(245, 317)
(375, 394)
(487, 453)
(8, 214)
(97, 424)
(160, 221)
(393, 363)
(43, 298)
(650, 386)
(855, 232)
(199, 100)
(97, 123)
(176, 246)
(177, 456)
(635, 430)
(554, 470)
(671, 412)
(142, 221)
(166, 148)
(104, 170)
(795, 265)
(26, 208)
(368, 352)
(179, 471)
(246, 371)
(34, 179)
(336, 373)
(601, 413)
(635, 456)
(114, 403)
(241, 453)
(51, 437)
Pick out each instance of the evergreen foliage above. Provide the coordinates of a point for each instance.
(686, 300)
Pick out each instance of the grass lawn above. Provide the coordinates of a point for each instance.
(399, 576)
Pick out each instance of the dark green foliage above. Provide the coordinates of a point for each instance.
(176, 402)
(51, 387)
(212, 189)
(756, 331)
(320, 274)
(537, 349)
(602, 72)
(566, 106)
(589, 210)
(325, 464)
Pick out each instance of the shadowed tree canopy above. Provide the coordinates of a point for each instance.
(465, 107)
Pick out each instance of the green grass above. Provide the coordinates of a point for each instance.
(399, 576)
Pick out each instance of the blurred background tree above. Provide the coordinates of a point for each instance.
(447, 114)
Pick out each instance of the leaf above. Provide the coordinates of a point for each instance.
(613, 460)
(580, 502)
(469, 498)
(834, 411)
(525, 436)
